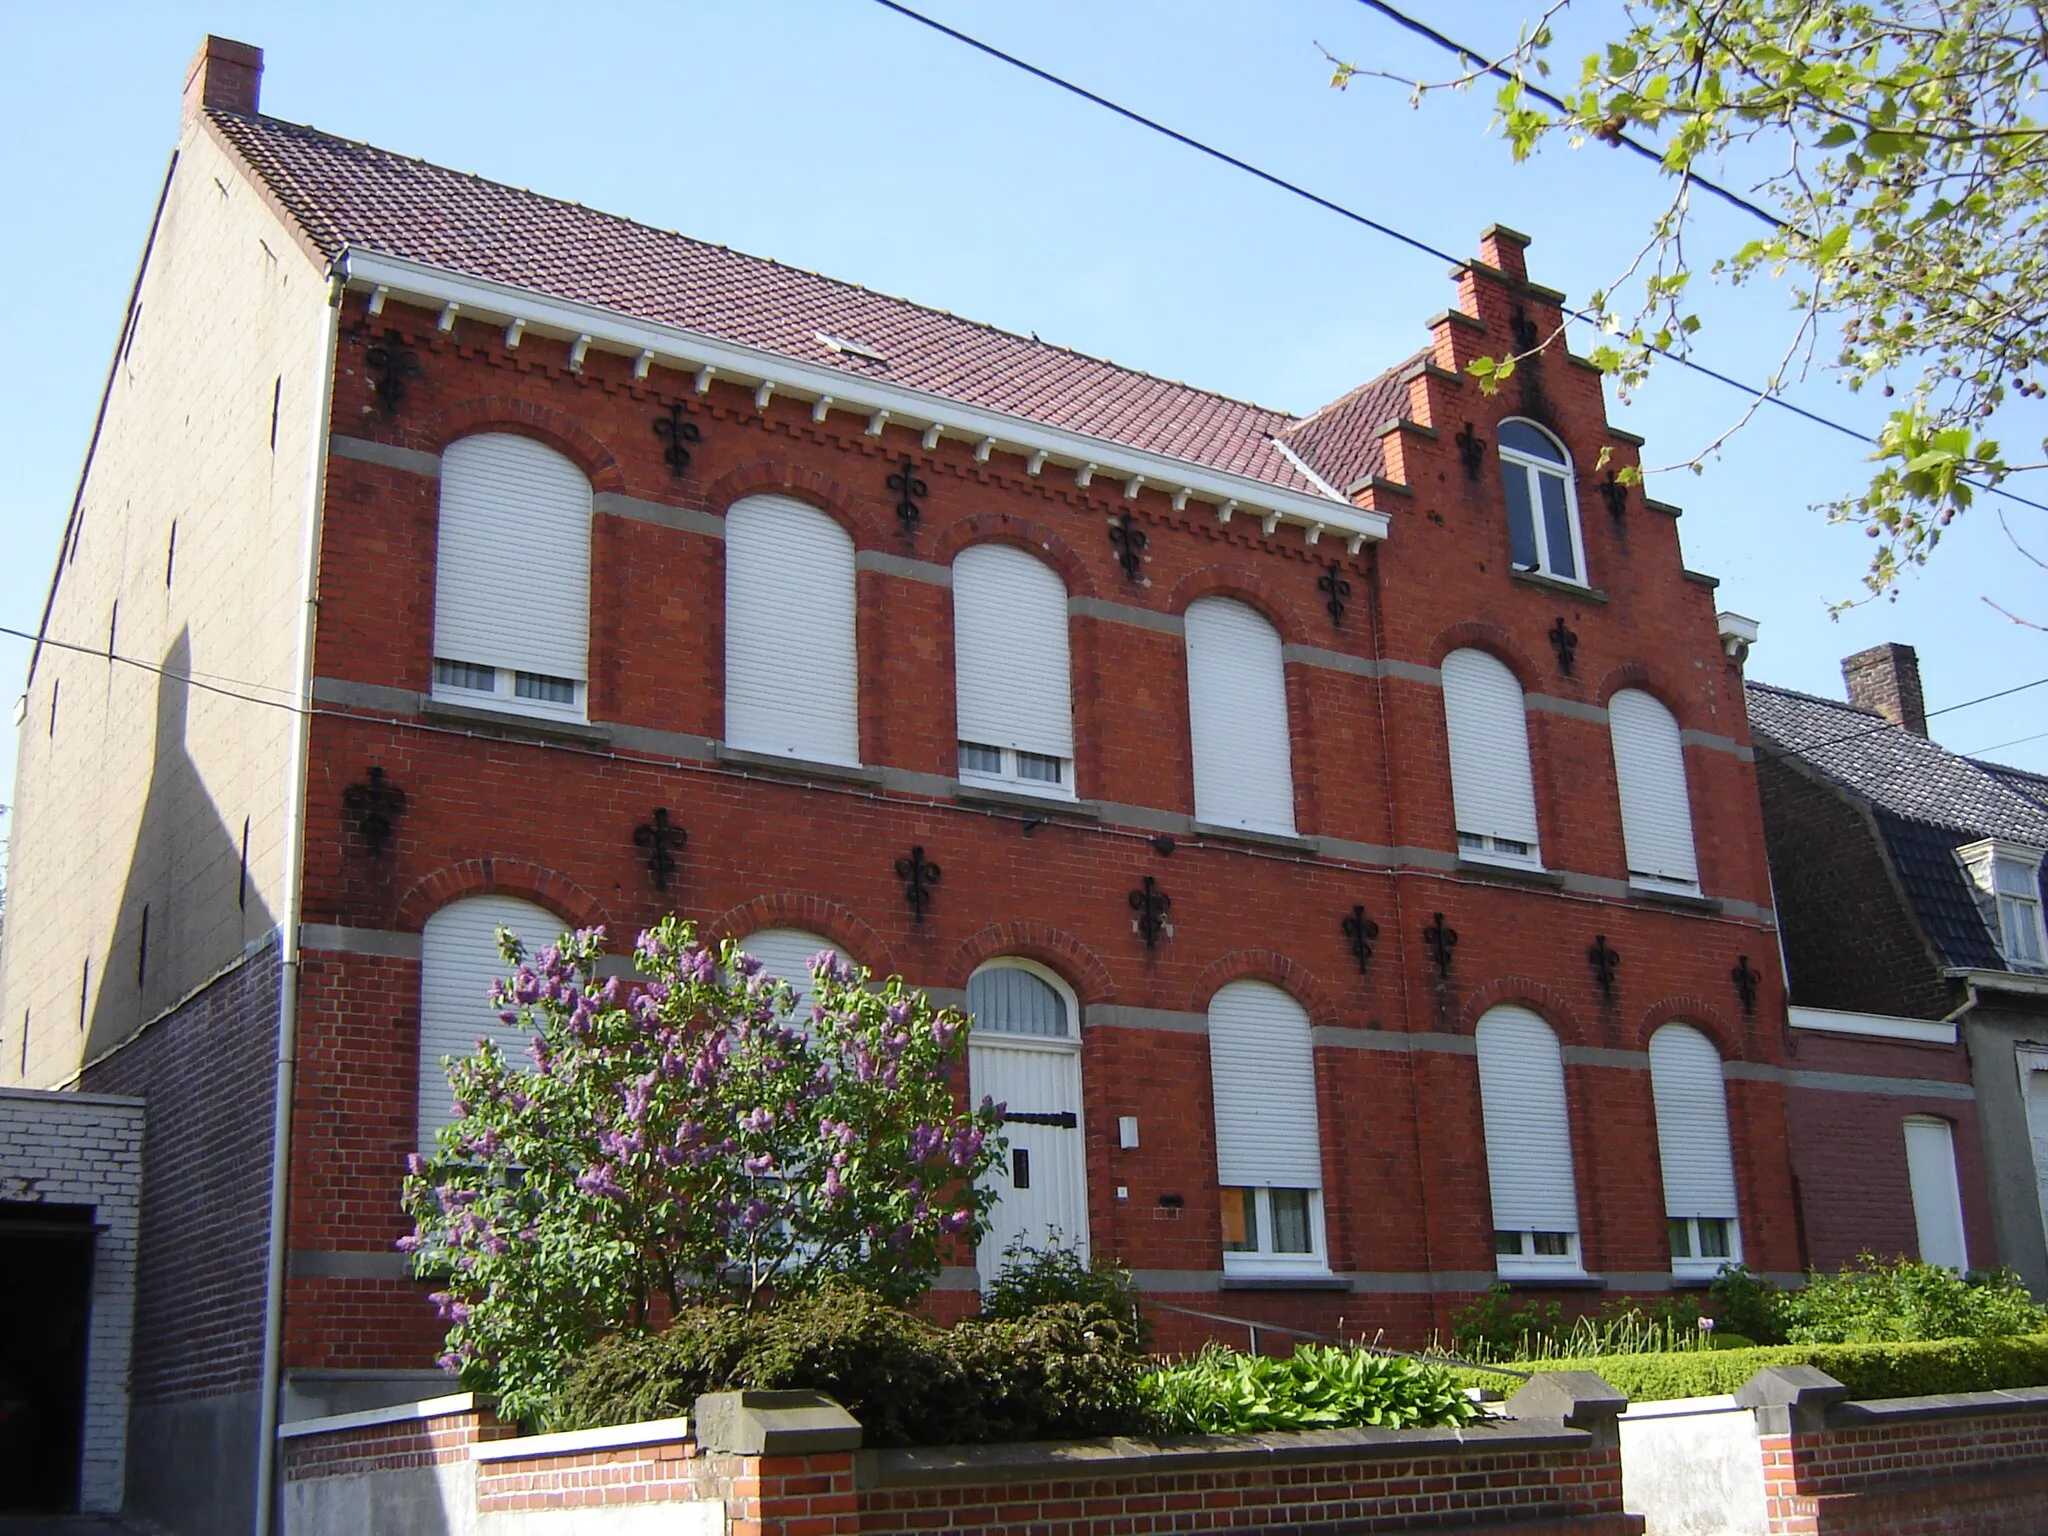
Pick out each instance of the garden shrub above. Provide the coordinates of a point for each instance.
(1877, 1300)
(1317, 1387)
(1066, 1370)
(1908, 1369)
(1033, 1278)
(1495, 1327)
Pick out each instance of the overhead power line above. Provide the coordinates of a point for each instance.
(1892, 725)
(1767, 396)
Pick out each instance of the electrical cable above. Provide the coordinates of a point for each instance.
(1766, 396)
(1892, 725)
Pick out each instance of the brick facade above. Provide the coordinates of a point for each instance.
(1952, 1472)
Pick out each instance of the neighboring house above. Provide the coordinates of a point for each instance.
(1909, 893)
(1343, 828)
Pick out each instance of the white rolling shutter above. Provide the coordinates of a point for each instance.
(1656, 810)
(1010, 658)
(1263, 1073)
(786, 955)
(1937, 1196)
(459, 960)
(1237, 718)
(1528, 1126)
(792, 679)
(1492, 790)
(1692, 1123)
(512, 563)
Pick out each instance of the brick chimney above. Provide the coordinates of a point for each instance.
(225, 75)
(1886, 678)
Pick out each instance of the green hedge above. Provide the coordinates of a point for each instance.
(1867, 1370)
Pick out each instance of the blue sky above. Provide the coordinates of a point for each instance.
(834, 135)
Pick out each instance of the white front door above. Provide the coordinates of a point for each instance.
(1043, 1190)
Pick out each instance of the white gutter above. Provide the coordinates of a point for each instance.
(474, 298)
(288, 979)
(1996, 981)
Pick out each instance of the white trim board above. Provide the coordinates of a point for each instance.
(476, 298)
(1876, 1025)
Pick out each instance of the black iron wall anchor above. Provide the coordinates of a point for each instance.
(1615, 494)
(918, 875)
(1441, 941)
(1151, 904)
(1566, 643)
(1526, 334)
(1359, 932)
(657, 837)
(1471, 451)
(1130, 542)
(909, 491)
(678, 431)
(376, 804)
(1746, 980)
(1336, 590)
(391, 363)
(1604, 959)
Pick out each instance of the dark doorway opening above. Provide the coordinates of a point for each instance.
(46, 1275)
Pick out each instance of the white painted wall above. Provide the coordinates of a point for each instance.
(1692, 1467)
(86, 1149)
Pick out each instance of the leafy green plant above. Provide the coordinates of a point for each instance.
(1748, 1303)
(1877, 1300)
(1031, 1279)
(1495, 1328)
(1317, 1387)
(1065, 1370)
(686, 1135)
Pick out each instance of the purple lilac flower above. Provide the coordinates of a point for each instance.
(956, 1221)
(597, 1180)
(415, 1164)
(756, 1167)
(924, 1141)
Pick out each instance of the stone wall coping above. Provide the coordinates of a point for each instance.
(579, 1442)
(397, 1413)
(1877, 1412)
(1179, 1456)
(1682, 1407)
(66, 1097)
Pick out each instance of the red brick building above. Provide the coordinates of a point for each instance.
(1344, 827)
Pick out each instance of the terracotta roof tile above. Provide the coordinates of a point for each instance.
(350, 195)
(1341, 442)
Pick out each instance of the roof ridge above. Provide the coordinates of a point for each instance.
(1283, 419)
(1815, 698)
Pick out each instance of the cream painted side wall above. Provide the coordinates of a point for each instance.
(139, 793)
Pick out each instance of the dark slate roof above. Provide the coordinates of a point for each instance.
(347, 195)
(1926, 800)
(2021, 781)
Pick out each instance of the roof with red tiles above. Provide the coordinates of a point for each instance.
(1342, 441)
(345, 195)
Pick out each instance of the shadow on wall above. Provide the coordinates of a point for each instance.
(188, 907)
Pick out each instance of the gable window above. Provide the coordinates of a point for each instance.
(792, 679)
(2007, 877)
(512, 578)
(1237, 719)
(459, 961)
(1493, 792)
(1011, 672)
(1528, 1145)
(1656, 808)
(1693, 1149)
(1269, 1156)
(1937, 1193)
(1543, 509)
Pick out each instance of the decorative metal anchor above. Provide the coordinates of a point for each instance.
(657, 836)
(1359, 932)
(909, 490)
(1566, 643)
(375, 804)
(1441, 941)
(1603, 958)
(1130, 544)
(1151, 904)
(678, 431)
(1471, 451)
(1335, 590)
(918, 875)
(393, 362)
(1746, 979)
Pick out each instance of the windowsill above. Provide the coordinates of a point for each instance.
(1517, 874)
(798, 767)
(1668, 896)
(1558, 584)
(1024, 800)
(1697, 1279)
(1555, 1280)
(1288, 840)
(518, 722)
(1260, 1280)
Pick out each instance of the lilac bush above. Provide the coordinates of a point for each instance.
(689, 1133)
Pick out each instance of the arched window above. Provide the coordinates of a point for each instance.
(1013, 997)
(1237, 719)
(1269, 1153)
(1656, 809)
(1011, 671)
(1493, 793)
(785, 954)
(1528, 1145)
(512, 578)
(792, 680)
(1025, 1053)
(1692, 1145)
(1543, 509)
(459, 960)
(1937, 1193)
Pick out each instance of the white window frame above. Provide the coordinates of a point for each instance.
(1693, 1264)
(1009, 775)
(1053, 979)
(1532, 467)
(1521, 1260)
(2004, 911)
(1487, 847)
(1524, 1263)
(1264, 1261)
